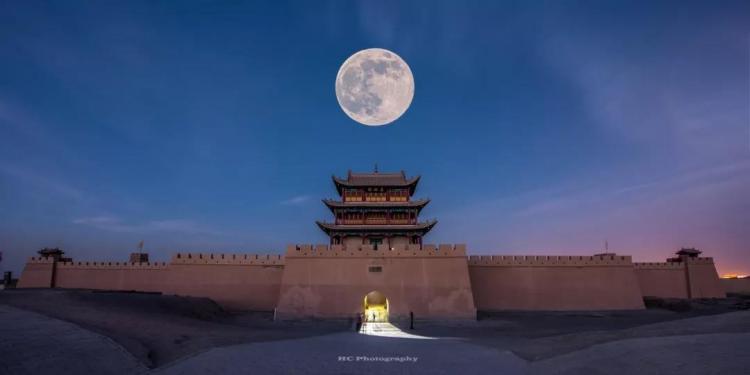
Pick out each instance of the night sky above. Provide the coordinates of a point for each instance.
(538, 129)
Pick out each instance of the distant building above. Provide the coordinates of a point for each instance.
(689, 252)
(53, 253)
(138, 257)
(684, 254)
(8, 281)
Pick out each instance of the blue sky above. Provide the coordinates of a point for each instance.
(538, 128)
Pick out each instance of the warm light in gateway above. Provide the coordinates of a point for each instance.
(378, 311)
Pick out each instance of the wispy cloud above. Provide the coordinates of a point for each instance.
(296, 200)
(13, 117)
(115, 224)
(696, 110)
(705, 180)
(45, 158)
(705, 207)
(39, 181)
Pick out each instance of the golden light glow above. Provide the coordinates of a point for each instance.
(376, 314)
(733, 276)
(375, 307)
(389, 330)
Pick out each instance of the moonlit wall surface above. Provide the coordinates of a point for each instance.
(537, 130)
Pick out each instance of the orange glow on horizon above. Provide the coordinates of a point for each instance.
(733, 276)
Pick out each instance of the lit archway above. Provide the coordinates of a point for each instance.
(375, 306)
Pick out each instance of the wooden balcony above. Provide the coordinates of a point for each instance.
(375, 221)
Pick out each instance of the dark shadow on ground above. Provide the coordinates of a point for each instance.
(540, 335)
(158, 329)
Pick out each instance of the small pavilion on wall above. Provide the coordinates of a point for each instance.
(376, 209)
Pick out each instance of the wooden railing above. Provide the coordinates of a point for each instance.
(375, 221)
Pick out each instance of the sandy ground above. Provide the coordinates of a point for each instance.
(172, 334)
(159, 329)
(352, 353)
(724, 353)
(35, 344)
(537, 336)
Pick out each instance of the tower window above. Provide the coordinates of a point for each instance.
(375, 242)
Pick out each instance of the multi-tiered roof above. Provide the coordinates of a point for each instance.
(376, 207)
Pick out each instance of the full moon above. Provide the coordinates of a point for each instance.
(374, 87)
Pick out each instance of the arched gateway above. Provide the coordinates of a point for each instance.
(375, 307)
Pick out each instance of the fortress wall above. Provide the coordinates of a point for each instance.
(736, 285)
(704, 280)
(143, 277)
(429, 280)
(672, 280)
(554, 283)
(432, 282)
(235, 281)
(662, 279)
(37, 273)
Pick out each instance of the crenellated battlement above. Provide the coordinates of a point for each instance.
(40, 260)
(673, 264)
(548, 260)
(702, 260)
(442, 250)
(659, 265)
(228, 259)
(113, 265)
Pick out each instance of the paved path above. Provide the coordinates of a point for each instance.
(31, 343)
(382, 349)
(389, 330)
(352, 353)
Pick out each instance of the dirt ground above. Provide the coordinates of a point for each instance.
(536, 336)
(160, 329)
